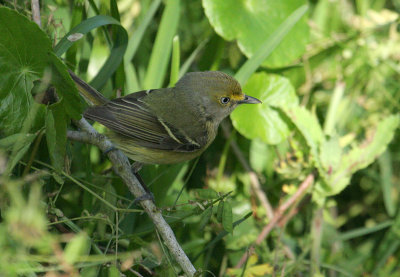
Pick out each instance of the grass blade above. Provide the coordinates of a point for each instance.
(386, 173)
(117, 51)
(251, 65)
(137, 36)
(175, 61)
(162, 47)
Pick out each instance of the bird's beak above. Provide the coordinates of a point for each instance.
(249, 100)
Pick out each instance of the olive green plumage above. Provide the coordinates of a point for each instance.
(167, 125)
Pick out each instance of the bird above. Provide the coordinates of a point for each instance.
(166, 125)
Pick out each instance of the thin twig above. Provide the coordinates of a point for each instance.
(278, 215)
(36, 12)
(122, 167)
(255, 184)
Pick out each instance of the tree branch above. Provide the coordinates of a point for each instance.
(122, 167)
(278, 215)
(36, 12)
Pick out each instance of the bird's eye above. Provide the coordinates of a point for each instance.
(225, 100)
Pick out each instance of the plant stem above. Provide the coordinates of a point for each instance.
(316, 236)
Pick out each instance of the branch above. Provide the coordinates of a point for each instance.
(278, 215)
(36, 12)
(122, 167)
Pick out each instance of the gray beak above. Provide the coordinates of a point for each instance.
(249, 100)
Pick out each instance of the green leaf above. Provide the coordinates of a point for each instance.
(308, 125)
(386, 173)
(227, 217)
(359, 157)
(175, 61)
(77, 247)
(205, 218)
(220, 210)
(60, 127)
(7, 143)
(65, 88)
(52, 134)
(252, 22)
(263, 120)
(117, 52)
(330, 154)
(25, 54)
(113, 271)
(137, 36)
(19, 144)
(206, 194)
(162, 46)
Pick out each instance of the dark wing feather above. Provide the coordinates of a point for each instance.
(130, 117)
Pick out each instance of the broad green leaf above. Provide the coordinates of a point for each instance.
(359, 157)
(23, 57)
(252, 22)
(263, 120)
(265, 50)
(25, 54)
(227, 217)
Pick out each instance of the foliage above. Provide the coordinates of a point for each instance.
(327, 73)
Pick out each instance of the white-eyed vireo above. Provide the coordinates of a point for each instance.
(167, 125)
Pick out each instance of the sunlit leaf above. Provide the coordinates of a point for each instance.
(263, 120)
(307, 124)
(252, 22)
(76, 248)
(359, 157)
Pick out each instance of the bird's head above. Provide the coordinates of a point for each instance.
(214, 93)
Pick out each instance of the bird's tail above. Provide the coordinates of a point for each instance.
(90, 94)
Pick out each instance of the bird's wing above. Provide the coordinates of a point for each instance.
(130, 117)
